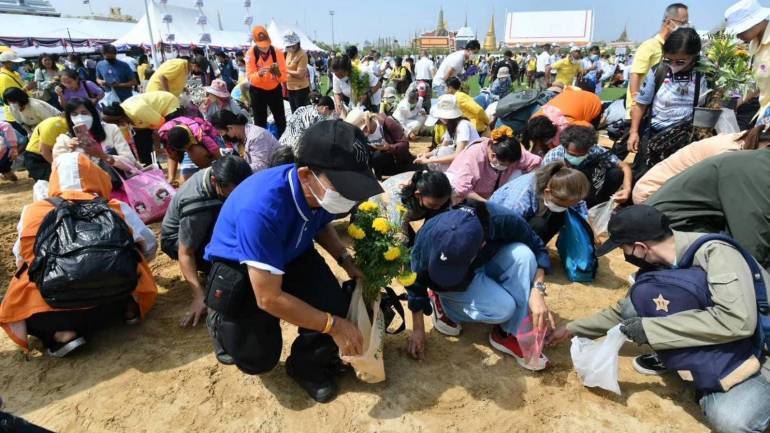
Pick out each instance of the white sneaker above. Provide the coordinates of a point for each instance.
(441, 322)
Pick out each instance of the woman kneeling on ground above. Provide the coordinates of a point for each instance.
(479, 263)
(25, 312)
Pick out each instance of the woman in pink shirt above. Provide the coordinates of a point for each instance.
(488, 163)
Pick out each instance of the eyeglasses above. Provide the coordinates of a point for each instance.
(681, 23)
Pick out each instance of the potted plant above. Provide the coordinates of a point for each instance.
(726, 68)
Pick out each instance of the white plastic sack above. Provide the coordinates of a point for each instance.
(727, 123)
(596, 362)
(599, 216)
(369, 366)
(615, 111)
(109, 98)
(40, 190)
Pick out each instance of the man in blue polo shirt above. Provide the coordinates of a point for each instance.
(265, 268)
(114, 74)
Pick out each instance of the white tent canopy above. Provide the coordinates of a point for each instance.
(184, 27)
(276, 33)
(33, 26)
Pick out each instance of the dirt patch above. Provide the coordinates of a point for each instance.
(158, 377)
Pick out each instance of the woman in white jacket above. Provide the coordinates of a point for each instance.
(88, 134)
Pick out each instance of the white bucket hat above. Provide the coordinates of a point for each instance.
(10, 56)
(290, 39)
(503, 72)
(446, 108)
(744, 15)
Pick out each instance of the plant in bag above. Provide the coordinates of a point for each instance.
(359, 86)
(381, 255)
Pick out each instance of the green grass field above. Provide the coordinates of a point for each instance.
(608, 94)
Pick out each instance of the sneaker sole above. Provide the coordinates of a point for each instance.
(522, 363)
(646, 371)
(67, 348)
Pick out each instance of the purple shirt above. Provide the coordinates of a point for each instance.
(87, 90)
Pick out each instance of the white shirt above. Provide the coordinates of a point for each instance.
(454, 61)
(343, 86)
(424, 69)
(465, 132)
(543, 60)
(132, 63)
(35, 112)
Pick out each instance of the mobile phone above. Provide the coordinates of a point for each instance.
(83, 135)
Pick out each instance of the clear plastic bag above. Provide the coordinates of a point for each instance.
(596, 362)
(599, 216)
(369, 366)
(531, 341)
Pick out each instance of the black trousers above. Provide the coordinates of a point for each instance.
(613, 179)
(83, 322)
(547, 225)
(254, 338)
(37, 166)
(261, 100)
(144, 145)
(299, 98)
(386, 164)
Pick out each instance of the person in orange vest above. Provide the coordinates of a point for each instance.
(266, 71)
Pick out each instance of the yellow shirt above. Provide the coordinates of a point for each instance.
(647, 55)
(45, 133)
(9, 79)
(141, 70)
(760, 51)
(566, 71)
(149, 110)
(532, 65)
(472, 111)
(175, 71)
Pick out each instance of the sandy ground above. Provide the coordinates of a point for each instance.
(158, 377)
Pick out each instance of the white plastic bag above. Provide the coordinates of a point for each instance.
(369, 366)
(109, 98)
(596, 362)
(727, 123)
(40, 190)
(599, 216)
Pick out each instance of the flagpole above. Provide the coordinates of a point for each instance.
(155, 60)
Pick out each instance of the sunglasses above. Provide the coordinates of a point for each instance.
(677, 62)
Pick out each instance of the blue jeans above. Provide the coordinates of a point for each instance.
(482, 80)
(744, 408)
(499, 292)
(438, 89)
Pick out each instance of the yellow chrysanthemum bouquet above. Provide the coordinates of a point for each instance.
(380, 251)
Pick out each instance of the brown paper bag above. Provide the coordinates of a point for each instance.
(369, 366)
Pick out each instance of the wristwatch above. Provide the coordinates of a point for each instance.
(541, 287)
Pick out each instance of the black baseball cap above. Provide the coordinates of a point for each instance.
(637, 223)
(339, 149)
(457, 236)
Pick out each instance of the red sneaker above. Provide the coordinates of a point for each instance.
(507, 343)
(441, 322)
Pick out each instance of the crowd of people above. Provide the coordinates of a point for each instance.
(262, 163)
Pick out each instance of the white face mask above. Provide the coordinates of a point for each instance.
(553, 207)
(675, 69)
(82, 119)
(333, 202)
(375, 138)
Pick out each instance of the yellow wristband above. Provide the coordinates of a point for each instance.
(329, 323)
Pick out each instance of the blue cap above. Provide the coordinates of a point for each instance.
(457, 238)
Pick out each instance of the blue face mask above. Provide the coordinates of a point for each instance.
(594, 57)
(573, 160)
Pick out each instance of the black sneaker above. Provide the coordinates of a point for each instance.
(322, 391)
(649, 365)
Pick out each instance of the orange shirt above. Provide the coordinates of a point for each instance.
(569, 107)
(255, 62)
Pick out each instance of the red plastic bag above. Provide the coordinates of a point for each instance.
(531, 341)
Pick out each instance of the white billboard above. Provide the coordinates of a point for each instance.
(549, 26)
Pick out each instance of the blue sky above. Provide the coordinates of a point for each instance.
(359, 20)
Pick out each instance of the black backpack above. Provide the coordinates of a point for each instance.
(84, 255)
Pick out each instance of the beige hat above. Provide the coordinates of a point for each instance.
(359, 118)
(503, 72)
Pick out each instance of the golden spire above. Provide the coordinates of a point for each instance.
(490, 43)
